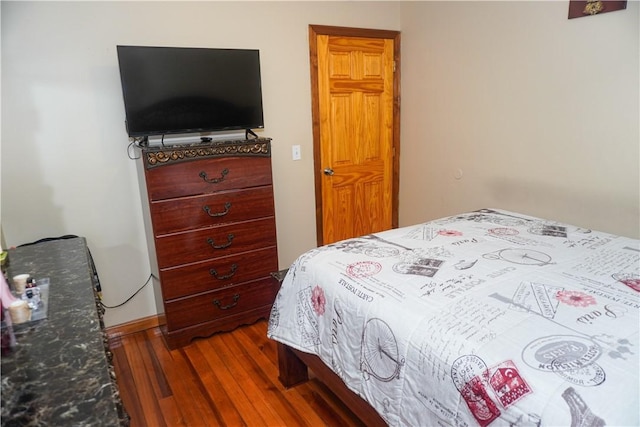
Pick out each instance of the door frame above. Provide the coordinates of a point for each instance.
(314, 31)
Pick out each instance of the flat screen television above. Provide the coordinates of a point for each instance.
(177, 90)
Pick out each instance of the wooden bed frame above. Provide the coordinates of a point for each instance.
(294, 368)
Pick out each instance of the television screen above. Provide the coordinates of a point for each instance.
(170, 90)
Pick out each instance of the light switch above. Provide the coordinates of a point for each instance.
(295, 152)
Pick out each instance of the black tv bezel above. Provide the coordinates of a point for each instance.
(185, 131)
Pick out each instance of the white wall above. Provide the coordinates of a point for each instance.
(65, 168)
(539, 112)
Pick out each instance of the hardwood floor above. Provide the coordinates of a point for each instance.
(228, 379)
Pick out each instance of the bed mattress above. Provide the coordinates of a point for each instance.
(484, 318)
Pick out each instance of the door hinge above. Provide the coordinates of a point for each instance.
(394, 66)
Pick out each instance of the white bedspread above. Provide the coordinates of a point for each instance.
(484, 318)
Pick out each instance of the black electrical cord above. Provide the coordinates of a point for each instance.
(137, 142)
(94, 270)
(98, 287)
(131, 297)
(132, 157)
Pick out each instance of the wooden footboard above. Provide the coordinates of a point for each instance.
(294, 365)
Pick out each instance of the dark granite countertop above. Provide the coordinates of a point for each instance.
(59, 372)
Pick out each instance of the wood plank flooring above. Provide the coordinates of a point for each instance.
(228, 379)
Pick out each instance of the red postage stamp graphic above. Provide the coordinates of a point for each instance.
(475, 395)
(507, 383)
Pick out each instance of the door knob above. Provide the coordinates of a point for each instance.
(328, 171)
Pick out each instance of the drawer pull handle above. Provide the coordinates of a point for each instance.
(217, 303)
(224, 173)
(212, 243)
(214, 273)
(207, 209)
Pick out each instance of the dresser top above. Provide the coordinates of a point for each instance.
(58, 372)
(170, 154)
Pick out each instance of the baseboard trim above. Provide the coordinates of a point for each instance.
(133, 326)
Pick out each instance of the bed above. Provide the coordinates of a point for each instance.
(485, 318)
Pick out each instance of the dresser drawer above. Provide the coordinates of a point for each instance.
(193, 246)
(206, 176)
(218, 273)
(185, 312)
(188, 213)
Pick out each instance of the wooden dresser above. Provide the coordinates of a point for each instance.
(211, 230)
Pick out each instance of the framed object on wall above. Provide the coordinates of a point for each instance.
(579, 9)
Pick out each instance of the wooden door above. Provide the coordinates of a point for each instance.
(355, 78)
